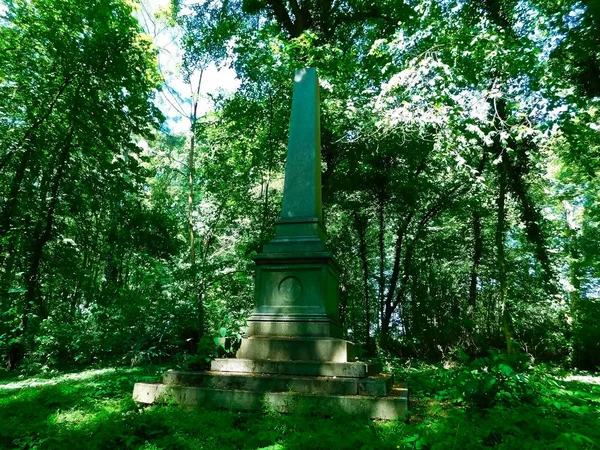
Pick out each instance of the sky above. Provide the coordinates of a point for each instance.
(175, 98)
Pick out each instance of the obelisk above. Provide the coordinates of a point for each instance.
(300, 227)
(296, 290)
(293, 357)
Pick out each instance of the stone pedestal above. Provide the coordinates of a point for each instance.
(296, 295)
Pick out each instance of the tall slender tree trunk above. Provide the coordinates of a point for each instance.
(361, 223)
(267, 182)
(477, 255)
(7, 276)
(191, 175)
(29, 134)
(111, 271)
(385, 328)
(575, 269)
(42, 235)
(500, 252)
(381, 246)
(79, 283)
(530, 214)
(13, 194)
(191, 201)
(477, 250)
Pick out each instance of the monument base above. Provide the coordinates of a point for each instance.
(283, 386)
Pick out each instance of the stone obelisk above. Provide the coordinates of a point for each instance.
(296, 291)
(293, 357)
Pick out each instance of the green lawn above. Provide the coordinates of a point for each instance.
(93, 409)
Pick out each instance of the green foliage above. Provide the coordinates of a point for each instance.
(460, 188)
(434, 114)
(61, 411)
(497, 379)
(500, 401)
(419, 110)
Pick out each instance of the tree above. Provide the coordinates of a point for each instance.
(95, 77)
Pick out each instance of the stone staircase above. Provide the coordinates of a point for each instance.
(286, 386)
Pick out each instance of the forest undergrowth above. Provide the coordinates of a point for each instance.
(486, 402)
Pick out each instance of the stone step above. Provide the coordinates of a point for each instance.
(308, 368)
(389, 408)
(373, 386)
(297, 349)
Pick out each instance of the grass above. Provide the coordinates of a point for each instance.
(93, 410)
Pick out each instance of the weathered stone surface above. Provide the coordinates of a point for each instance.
(297, 280)
(302, 187)
(290, 326)
(297, 349)
(299, 289)
(389, 408)
(308, 368)
(378, 386)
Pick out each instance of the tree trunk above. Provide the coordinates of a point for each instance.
(575, 269)
(381, 245)
(477, 251)
(361, 223)
(529, 213)
(477, 254)
(110, 265)
(191, 177)
(200, 307)
(384, 338)
(265, 190)
(191, 174)
(13, 194)
(500, 253)
(192, 171)
(41, 236)
(29, 133)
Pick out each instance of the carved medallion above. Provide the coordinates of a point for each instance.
(290, 289)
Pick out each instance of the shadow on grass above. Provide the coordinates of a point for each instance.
(96, 412)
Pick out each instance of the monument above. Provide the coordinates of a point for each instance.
(293, 357)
